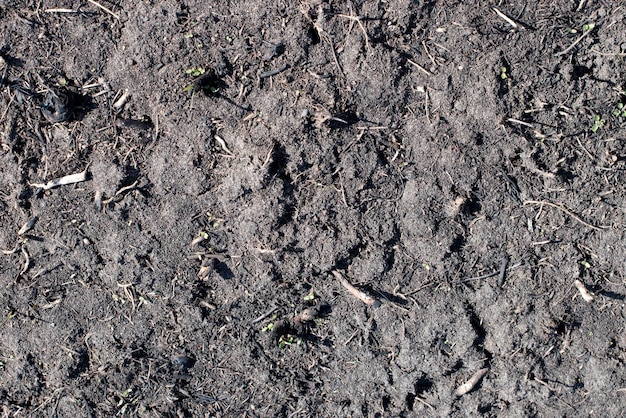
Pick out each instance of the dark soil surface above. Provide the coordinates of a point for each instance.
(462, 164)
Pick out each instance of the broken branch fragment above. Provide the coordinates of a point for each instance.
(471, 383)
(27, 226)
(367, 299)
(587, 296)
(62, 181)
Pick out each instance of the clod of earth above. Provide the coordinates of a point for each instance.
(298, 326)
(182, 362)
(56, 107)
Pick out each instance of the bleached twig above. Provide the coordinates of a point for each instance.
(471, 383)
(62, 181)
(367, 299)
(109, 11)
(586, 295)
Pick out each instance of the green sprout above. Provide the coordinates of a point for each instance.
(310, 296)
(287, 340)
(585, 264)
(598, 123)
(503, 75)
(588, 26)
(620, 110)
(270, 326)
(195, 71)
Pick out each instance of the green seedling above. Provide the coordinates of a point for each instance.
(310, 296)
(205, 81)
(287, 340)
(620, 110)
(270, 326)
(588, 26)
(503, 75)
(585, 264)
(195, 71)
(598, 123)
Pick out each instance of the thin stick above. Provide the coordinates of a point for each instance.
(471, 383)
(354, 334)
(569, 48)
(28, 225)
(564, 209)
(505, 262)
(62, 181)
(95, 3)
(332, 49)
(60, 11)
(423, 402)
(364, 297)
(273, 72)
(9, 252)
(26, 261)
(119, 103)
(486, 276)
(519, 122)
(358, 19)
(265, 315)
(419, 67)
(587, 296)
(506, 19)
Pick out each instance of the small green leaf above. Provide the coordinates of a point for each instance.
(589, 26)
(585, 264)
(310, 296)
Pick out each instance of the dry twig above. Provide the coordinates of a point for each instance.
(586, 295)
(62, 181)
(471, 383)
(506, 19)
(109, 11)
(567, 211)
(367, 299)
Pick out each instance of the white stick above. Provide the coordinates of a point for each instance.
(506, 18)
(587, 296)
(121, 101)
(62, 181)
(471, 383)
